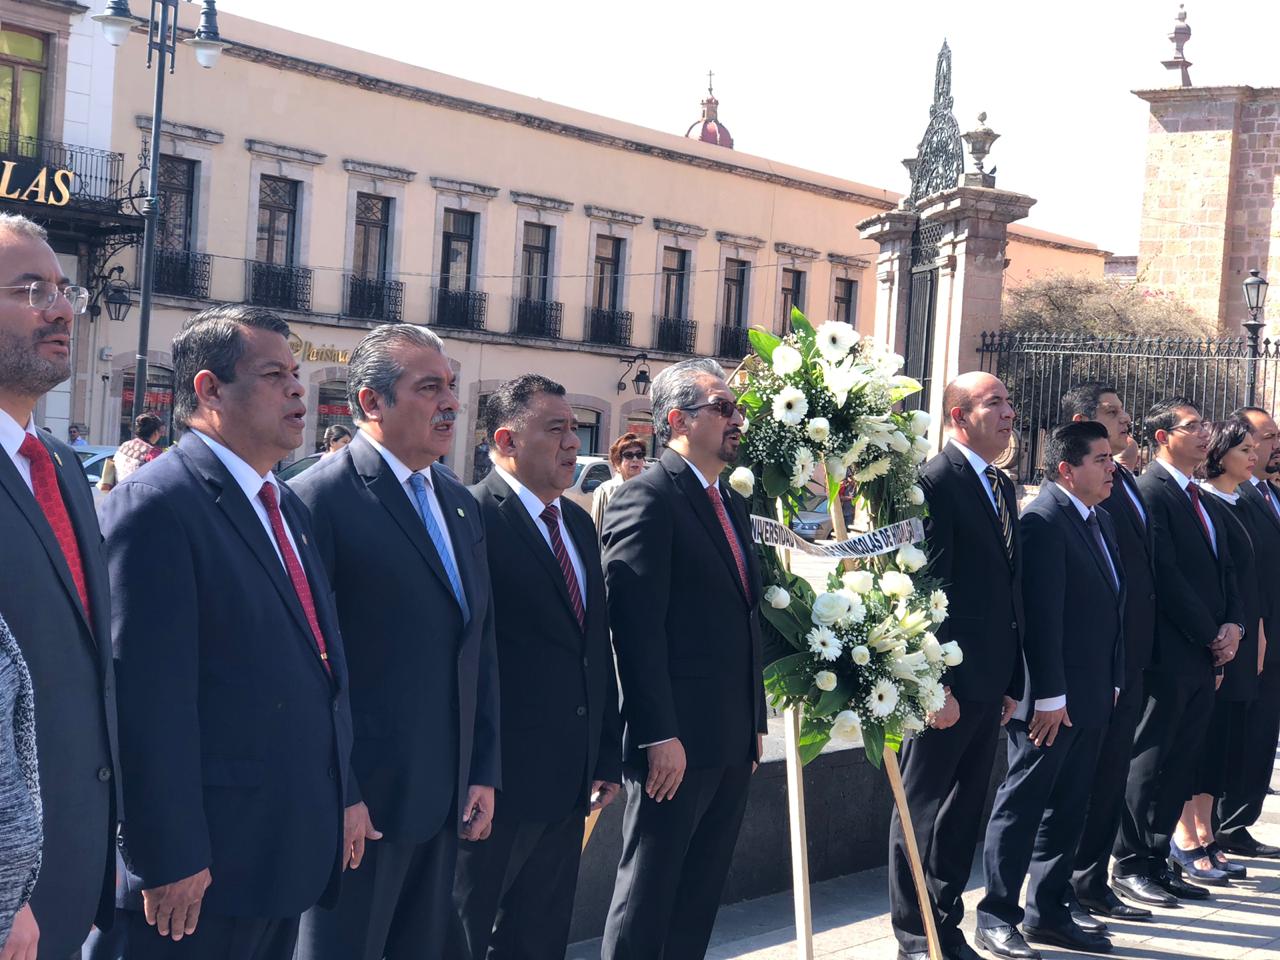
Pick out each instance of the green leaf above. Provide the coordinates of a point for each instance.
(833, 701)
(776, 480)
(788, 676)
(763, 343)
(787, 622)
(751, 399)
(812, 745)
(873, 744)
(804, 330)
(906, 387)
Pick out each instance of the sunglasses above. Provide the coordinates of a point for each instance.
(633, 455)
(723, 407)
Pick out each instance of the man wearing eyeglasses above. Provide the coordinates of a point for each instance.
(54, 594)
(683, 594)
(1198, 628)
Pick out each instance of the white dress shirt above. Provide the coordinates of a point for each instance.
(249, 480)
(12, 434)
(1183, 482)
(403, 474)
(531, 502)
(1133, 494)
(980, 468)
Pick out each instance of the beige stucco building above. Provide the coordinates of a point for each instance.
(346, 189)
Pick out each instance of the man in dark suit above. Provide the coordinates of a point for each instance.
(1091, 891)
(974, 549)
(1073, 595)
(1241, 803)
(1198, 628)
(684, 594)
(561, 734)
(404, 545)
(235, 732)
(55, 597)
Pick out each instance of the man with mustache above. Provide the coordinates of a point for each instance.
(684, 594)
(54, 595)
(405, 546)
(235, 732)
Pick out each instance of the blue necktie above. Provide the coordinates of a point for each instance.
(419, 484)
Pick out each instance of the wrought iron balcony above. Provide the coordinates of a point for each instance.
(538, 318)
(277, 285)
(371, 298)
(98, 175)
(612, 327)
(732, 342)
(674, 334)
(463, 309)
(182, 273)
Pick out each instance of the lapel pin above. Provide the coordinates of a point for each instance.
(305, 541)
(461, 513)
(58, 458)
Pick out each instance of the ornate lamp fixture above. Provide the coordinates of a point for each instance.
(641, 381)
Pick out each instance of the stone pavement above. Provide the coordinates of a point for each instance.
(851, 921)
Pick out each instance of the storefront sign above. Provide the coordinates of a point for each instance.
(317, 352)
(25, 182)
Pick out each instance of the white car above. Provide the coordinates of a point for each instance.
(590, 473)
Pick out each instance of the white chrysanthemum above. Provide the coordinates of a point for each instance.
(898, 442)
(824, 680)
(932, 697)
(790, 406)
(895, 584)
(836, 339)
(819, 428)
(830, 607)
(824, 643)
(777, 598)
(938, 606)
(845, 726)
(882, 698)
(952, 655)
(931, 648)
(857, 609)
(786, 360)
(854, 453)
(915, 495)
(920, 422)
(743, 480)
(802, 467)
(859, 581)
(911, 558)
(877, 469)
(861, 655)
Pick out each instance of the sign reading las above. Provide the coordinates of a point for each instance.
(53, 189)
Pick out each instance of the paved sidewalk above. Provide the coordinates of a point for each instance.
(851, 920)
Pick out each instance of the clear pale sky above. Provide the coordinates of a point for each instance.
(843, 88)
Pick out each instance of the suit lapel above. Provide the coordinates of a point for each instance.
(1172, 489)
(978, 488)
(1126, 490)
(1253, 493)
(517, 517)
(457, 530)
(687, 482)
(1082, 531)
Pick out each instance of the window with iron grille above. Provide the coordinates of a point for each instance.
(792, 294)
(735, 293)
(588, 430)
(23, 61)
(674, 281)
(846, 301)
(608, 271)
(455, 257)
(277, 220)
(373, 221)
(177, 199)
(535, 262)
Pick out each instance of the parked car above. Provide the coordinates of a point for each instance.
(587, 475)
(298, 466)
(813, 521)
(92, 458)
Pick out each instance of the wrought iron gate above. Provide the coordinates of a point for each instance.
(922, 309)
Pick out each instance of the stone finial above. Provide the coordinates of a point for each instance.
(1178, 36)
(980, 141)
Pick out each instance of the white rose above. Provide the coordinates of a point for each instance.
(920, 422)
(898, 442)
(920, 449)
(786, 360)
(845, 726)
(824, 680)
(790, 406)
(915, 494)
(859, 581)
(819, 428)
(835, 339)
(829, 608)
(777, 598)
(952, 655)
(911, 558)
(802, 468)
(895, 584)
(746, 424)
(861, 655)
(743, 480)
(931, 648)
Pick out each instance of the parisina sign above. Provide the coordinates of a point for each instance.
(50, 186)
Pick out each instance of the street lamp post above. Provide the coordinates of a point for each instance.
(162, 36)
(1255, 297)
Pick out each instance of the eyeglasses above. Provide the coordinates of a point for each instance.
(633, 455)
(42, 295)
(1199, 426)
(723, 407)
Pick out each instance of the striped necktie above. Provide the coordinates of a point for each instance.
(1002, 510)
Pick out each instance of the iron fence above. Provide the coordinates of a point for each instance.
(674, 334)
(372, 298)
(732, 342)
(278, 285)
(539, 318)
(461, 309)
(182, 273)
(98, 174)
(609, 326)
(1037, 369)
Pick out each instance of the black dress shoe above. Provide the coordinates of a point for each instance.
(1083, 919)
(961, 951)
(1005, 941)
(1112, 906)
(1180, 888)
(1144, 890)
(1245, 846)
(1071, 937)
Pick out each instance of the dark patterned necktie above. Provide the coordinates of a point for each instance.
(1002, 510)
(551, 517)
(1101, 545)
(1194, 493)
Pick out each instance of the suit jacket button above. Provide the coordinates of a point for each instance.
(582, 711)
(584, 662)
(1151, 597)
(335, 705)
(333, 774)
(1014, 625)
(104, 774)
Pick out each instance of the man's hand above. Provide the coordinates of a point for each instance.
(947, 716)
(666, 770)
(1006, 710)
(1044, 726)
(24, 936)
(174, 909)
(1225, 644)
(477, 820)
(603, 793)
(356, 829)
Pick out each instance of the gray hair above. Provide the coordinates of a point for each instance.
(374, 363)
(676, 388)
(24, 227)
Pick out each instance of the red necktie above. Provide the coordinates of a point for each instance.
(1265, 489)
(44, 484)
(1194, 493)
(296, 574)
(551, 517)
(717, 504)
